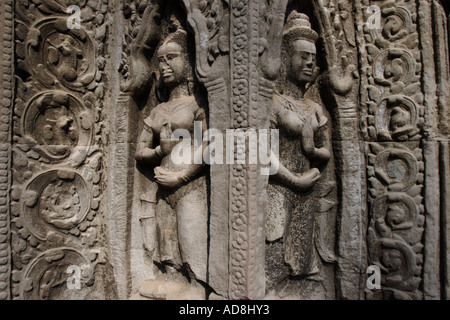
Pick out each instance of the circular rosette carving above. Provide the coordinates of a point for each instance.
(56, 200)
(397, 211)
(394, 65)
(58, 55)
(397, 119)
(57, 125)
(396, 24)
(398, 263)
(46, 277)
(396, 168)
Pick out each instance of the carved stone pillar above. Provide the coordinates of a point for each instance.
(6, 98)
(56, 238)
(405, 121)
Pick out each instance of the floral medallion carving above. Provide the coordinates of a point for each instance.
(396, 23)
(396, 168)
(399, 264)
(57, 125)
(398, 211)
(58, 56)
(393, 65)
(57, 155)
(397, 118)
(46, 276)
(55, 201)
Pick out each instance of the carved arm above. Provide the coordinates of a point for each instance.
(175, 179)
(296, 181)
(321, 154)
(145, 153)
(271, 58)
(142, 48)
(193, 169)
(197, 23)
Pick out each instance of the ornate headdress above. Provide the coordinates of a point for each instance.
(177, 35)
(298, 27)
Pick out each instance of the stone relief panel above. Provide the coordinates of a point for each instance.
(396, 101)
(6, 94)
(182, 234)
(109, 148)
(395, 175)
(299, 195)
(253, 27)
(395, 95)
(56, 156)
(173, 211)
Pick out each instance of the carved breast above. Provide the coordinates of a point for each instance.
(292, 115)
(175, 114)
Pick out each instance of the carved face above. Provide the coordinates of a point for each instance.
(171, 64)
(302, 62)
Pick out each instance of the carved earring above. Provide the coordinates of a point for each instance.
(190, 85)
(160, 89)
(315, 76)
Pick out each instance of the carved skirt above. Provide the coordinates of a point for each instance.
(182, 227)
(290, 219)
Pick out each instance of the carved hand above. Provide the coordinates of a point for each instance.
(305, 181)
(343, 84)
(168, 179)
(144, 46)
(318, 154)
(147, 155)
(270, 61)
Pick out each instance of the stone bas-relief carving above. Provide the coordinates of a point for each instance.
(57, 125)
(175, 209)
(397, 218)
(59, 54)
(305, 150)
(357, 91)
(56, 161)
(396, 121)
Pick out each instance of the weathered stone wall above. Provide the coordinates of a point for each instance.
(90, 196)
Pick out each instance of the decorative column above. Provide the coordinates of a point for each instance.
(402, 106)
(237, 236)
(57, 141)
(6, 101)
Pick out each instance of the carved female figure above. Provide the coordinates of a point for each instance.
(177, 204)
(304, 152)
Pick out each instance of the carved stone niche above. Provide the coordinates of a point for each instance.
(350, 113)
(133, 149)
(265, 237)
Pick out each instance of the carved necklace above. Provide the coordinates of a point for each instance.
(293, 106)
(173, 106)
